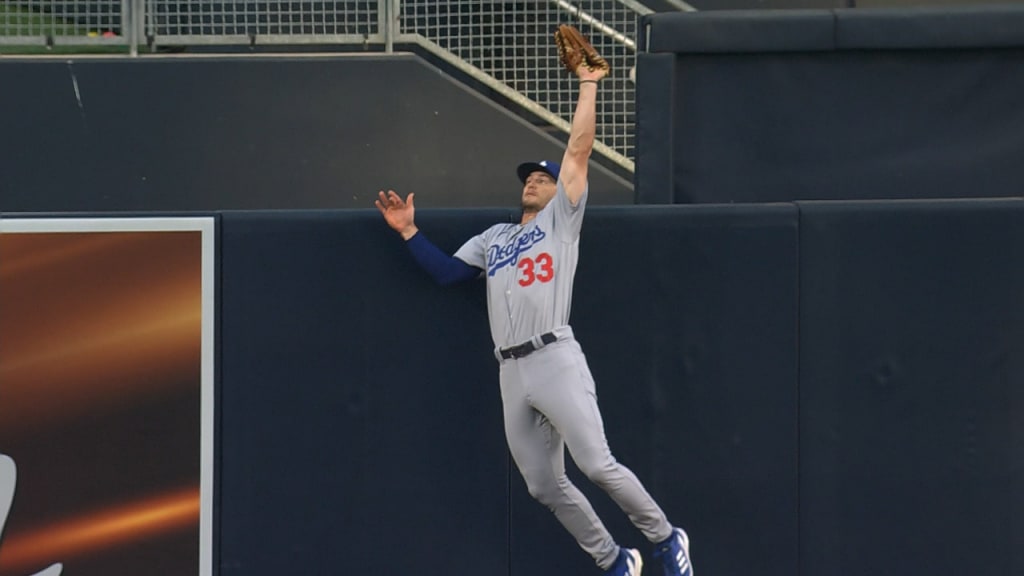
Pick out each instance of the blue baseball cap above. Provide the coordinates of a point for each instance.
(527, 168)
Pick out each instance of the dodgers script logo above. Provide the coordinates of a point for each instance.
(501, 256)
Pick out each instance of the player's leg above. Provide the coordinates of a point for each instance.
(564, 391)
(538, 451)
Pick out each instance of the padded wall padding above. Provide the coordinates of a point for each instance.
(824, 29)
(360, 419)
(912, 388)
(688, 320)
(732, 31)
(809, 388)
(948, 27)
(770, 106)
(360, 404)
(655, 154)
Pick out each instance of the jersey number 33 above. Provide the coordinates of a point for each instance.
(539, 269)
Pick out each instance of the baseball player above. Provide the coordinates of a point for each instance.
(547, 391)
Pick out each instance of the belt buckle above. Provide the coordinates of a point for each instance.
(521, 351)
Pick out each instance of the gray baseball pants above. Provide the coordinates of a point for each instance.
(550, 403)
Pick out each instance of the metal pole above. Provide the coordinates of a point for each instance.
(134, 11)
(396, 18)
(597, 24)
(388, 8)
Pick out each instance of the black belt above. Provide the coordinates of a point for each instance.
(526, 348)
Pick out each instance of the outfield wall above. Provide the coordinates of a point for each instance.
(805, 387)
(843, 104)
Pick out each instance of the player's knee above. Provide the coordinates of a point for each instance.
(599, 470)
(544, 489)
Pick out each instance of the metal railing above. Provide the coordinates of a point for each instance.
(507, 46)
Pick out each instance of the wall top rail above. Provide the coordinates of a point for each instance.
(731, 31)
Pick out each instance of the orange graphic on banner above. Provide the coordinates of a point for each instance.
(101, 380)
(100, 530)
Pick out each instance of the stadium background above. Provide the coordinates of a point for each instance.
(800, 285)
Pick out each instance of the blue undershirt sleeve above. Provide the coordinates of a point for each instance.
(446, 270)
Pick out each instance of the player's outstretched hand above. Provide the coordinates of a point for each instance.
(399, 214)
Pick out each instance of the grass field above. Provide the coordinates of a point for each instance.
(18, 21)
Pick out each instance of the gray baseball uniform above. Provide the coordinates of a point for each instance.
(548, 395)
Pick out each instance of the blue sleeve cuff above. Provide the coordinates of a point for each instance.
(446, 270)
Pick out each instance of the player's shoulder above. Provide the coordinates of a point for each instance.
(560, 204)
(562, 195)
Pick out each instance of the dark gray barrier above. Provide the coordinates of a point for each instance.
(361, 422)
(761, 106)
(912, 388)
(688, 319)
(360, 419)
(803, 387)
(272, 132)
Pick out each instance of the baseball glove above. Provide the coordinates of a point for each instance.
(574, 51)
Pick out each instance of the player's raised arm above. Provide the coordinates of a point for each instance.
(400, 216)
(579, 57)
